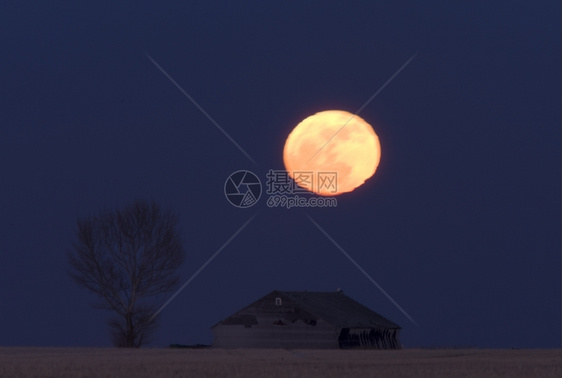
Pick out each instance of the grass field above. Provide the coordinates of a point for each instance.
(154, 363)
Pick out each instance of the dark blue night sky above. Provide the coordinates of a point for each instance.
(460, 224)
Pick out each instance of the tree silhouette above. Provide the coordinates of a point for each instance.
(128, 257)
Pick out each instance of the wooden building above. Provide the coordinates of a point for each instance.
(306, 320)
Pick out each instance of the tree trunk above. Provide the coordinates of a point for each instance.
(130, 332)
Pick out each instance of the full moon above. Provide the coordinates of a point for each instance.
(321, 145)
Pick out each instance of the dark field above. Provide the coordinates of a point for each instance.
(109, 362)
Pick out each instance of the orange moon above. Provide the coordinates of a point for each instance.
(319, 145)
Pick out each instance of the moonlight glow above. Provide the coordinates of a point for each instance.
(354, 152)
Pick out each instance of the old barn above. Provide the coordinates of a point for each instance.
(302, 319)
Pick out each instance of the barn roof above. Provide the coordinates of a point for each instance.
(338, 309)
(335, 308)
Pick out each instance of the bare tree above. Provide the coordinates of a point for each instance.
(127, 257)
